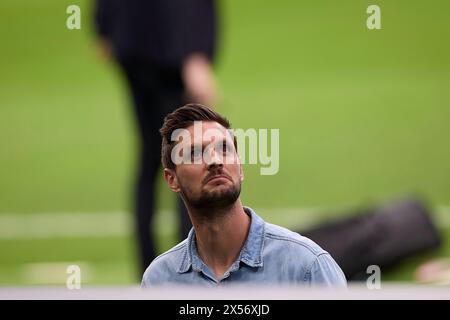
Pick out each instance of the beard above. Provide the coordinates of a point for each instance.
(216, 200)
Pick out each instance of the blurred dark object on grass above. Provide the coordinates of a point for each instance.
(382, 235)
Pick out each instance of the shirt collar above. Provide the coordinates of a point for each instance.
(251, 252)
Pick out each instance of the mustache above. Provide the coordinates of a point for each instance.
(214, 174)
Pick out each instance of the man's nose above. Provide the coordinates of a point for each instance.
(215, 159)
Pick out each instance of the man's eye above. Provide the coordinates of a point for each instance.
(226, 148)
(196, 152)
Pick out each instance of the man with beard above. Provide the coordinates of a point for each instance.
(229, 243)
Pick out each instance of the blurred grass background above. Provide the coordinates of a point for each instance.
(363, 116)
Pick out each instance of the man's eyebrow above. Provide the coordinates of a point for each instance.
(204, 143)
(197, 145)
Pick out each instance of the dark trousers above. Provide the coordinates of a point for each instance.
(156, 91)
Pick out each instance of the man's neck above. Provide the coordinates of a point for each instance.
(221, 236)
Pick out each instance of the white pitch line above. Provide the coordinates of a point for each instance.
(63, 225)
(95, 224)
(53, 273)
(104, 224)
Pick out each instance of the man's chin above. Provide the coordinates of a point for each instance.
(217, 189)
(220, 191)
(219, 198)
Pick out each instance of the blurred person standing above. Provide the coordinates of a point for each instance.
(165, 50)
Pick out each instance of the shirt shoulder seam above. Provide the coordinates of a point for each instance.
(283, 238)
(173, 250)
(308, 272)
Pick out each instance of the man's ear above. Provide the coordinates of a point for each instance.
(171, 179)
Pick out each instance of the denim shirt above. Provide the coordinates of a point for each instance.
(271, 255)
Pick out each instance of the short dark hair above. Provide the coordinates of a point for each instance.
(182, 118)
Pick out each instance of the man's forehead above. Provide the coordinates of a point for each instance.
(207, 131)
